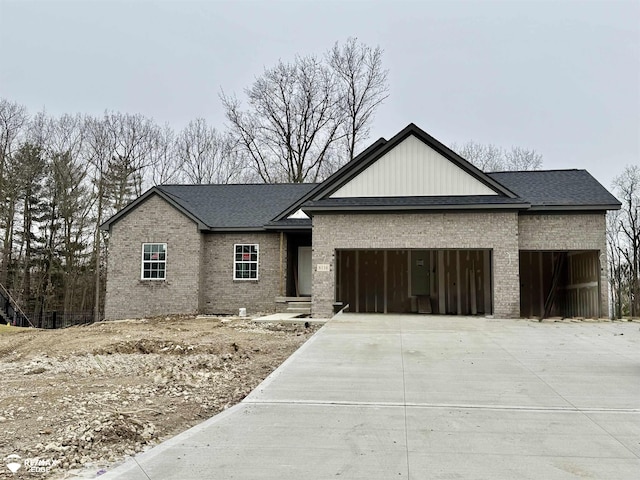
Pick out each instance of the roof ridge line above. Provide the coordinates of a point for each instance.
(540, 171)
(234, 184)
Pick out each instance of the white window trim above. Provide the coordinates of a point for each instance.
(142, 261)
(257, 262)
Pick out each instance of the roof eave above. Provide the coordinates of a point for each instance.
(234, 229)
(573, 208)
(431, 208)
(288, 228)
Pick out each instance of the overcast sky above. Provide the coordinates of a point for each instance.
(560, 77)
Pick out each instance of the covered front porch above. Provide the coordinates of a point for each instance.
(295, 273)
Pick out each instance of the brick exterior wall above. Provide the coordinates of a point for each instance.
(497, 231)
(575, 231)
(154, 221)
(200, 266)
(222, 294)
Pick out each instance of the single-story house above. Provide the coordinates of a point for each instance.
(407, 226)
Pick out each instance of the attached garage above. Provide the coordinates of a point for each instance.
(414, 281)
(410, 226)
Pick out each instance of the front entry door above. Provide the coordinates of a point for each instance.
(304, 271)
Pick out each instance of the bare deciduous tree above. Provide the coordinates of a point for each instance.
(486, 157)
(13, 122)
(363, 86)
(615, 262)
(491, 158)
(627, 187)
(133, 138)
(70, 202)
(206, 155)
(164, 165)
(292, 122)
(518, 159)
(98, 152)
(299, 113)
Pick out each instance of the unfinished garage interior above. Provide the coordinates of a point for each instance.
(560, 284)
(409, 226)
(452, 282)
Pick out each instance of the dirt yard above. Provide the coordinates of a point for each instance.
(83, 398)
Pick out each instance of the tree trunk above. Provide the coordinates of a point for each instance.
(96, 307)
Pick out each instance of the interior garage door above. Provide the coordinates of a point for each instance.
(421, 281)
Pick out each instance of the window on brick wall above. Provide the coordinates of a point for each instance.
(245, 263)
(154, 261)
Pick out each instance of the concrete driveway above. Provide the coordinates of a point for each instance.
(426, 397)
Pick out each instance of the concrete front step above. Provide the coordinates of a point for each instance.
(301, 305)
(292, 299)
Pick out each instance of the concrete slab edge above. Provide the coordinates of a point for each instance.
(276, 373)
(460, 406)
(132, 463)
(297, 320)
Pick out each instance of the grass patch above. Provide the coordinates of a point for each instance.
(8, 329)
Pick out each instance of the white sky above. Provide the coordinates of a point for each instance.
(560, 77)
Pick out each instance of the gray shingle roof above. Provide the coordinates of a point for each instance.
(557, 188)
(255, 206)
(236, 205)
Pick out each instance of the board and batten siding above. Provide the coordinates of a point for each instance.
(412, 168)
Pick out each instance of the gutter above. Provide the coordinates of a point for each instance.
(403, 208)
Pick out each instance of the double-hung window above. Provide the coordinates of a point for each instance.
(154, 261)
(245, 263)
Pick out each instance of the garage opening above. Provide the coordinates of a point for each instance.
(452, 282)
(560, 284)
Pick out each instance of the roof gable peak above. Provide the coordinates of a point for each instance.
(411, 164)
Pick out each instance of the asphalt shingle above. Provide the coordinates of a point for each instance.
(571, 188)
(256, 205)
(236, 205)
